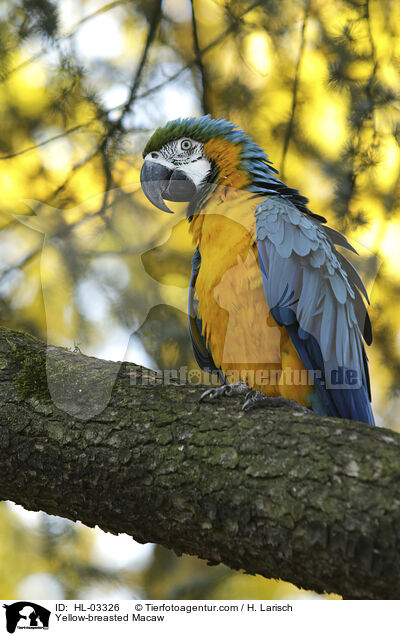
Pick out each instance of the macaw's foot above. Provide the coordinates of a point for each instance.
(257, 400)
(226, 390)
(253, 399)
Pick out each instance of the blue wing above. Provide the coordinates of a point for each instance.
(201, 352)
(316, 294)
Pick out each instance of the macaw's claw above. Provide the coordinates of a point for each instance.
(256, 400)
(253, 399)
(226, 390)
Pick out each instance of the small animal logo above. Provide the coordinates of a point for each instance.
(26, 615)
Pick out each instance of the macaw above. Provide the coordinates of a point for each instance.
(272, 303)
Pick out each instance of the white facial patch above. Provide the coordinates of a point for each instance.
(186, 155)
(197, 171)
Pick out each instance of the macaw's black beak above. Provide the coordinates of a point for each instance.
(154, 179)
(159, 183)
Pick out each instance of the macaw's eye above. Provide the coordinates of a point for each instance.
(186, 144)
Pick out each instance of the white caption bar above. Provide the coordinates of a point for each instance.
(310, 618)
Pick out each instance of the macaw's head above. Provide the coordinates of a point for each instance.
(183, 158)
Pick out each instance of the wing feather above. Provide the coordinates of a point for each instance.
(315, 292)
(201, 352)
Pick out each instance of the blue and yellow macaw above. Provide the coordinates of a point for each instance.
(272, 302)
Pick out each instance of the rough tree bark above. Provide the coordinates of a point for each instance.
(307, 499)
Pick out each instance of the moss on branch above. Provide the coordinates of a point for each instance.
(308, 499)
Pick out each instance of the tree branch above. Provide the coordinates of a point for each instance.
(200, 64)
(62, 38)
(40, 144)
(220, 38)
(305, 498)
(289, 128)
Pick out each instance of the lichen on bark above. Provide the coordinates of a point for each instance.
(305, 498)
